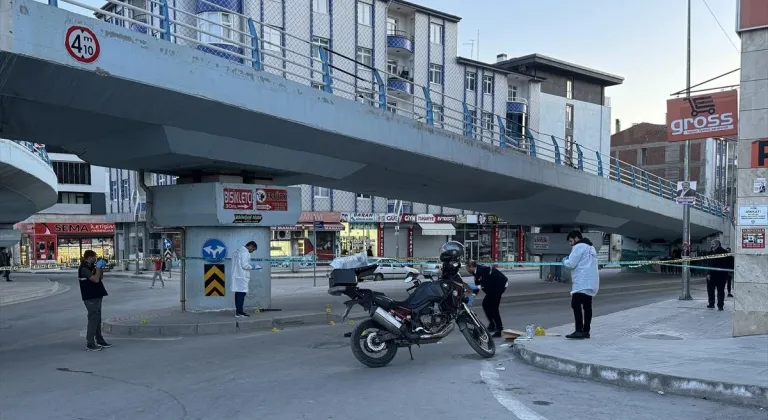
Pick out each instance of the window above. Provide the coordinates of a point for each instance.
(113, 191)
(643, 157)
(125, 189)
(569, 117)
(471, 81)
(568, 149)
(436, 74)
(162, 180)
(569, 88)
(438, 115)
(391, 26)
(273, 39)
(318, 86)
(435, 33)
(364, 57)
(317, 43)
(488, 85)
(363, 196)
(320, 6)
(473, 120)
(74, 173)
(392, 67)
(392, 107)
(487, 121)
(365, 97)
(364, 13)
(322, 192)
(512, 94)
(74, 198)
(220, 25)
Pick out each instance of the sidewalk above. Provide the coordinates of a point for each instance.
(675, 347)
(17, 292)
(301, 303)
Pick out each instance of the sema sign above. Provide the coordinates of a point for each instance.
(703, 116)
(238, 199)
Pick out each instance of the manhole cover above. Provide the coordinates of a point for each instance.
(660, 337)
(328, 346)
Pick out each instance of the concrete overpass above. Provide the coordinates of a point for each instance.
(27, 186)
(147, 103)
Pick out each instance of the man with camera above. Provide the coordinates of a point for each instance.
(92, 291)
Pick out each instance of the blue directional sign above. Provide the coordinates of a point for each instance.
(214, 251)
(166, 243)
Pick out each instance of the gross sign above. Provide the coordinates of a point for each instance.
(753, 238)
(541, 242)
(271, 199)
(81, 43)
(703, 116)
(238, 199)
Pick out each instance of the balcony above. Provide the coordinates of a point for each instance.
(400, 87)
(399, 43)
(517, 106)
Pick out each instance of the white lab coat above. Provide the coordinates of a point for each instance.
(583, 265)
(241, 270)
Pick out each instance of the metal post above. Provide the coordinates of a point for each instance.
(314, 266)
(430, 108)
(136, 218)
(685, 293)
(183, 276)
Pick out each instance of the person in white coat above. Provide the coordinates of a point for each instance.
(241, 275)
(585, 282)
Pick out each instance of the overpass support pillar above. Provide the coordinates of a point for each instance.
(219, 215)
(552, 245)
(751, 283)
(9, 237)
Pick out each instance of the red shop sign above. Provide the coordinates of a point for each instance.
(74, 228)
(238, 199)
(271, 199)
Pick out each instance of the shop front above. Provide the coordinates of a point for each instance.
(299, 239)
(361, 232)
(489, 238)
(65, 243)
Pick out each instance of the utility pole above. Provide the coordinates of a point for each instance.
(685, 293)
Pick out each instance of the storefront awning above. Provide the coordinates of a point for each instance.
(333, 227)
(437, 229)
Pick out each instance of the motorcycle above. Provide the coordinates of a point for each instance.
(426, 316)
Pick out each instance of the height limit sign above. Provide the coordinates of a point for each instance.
(81, 44)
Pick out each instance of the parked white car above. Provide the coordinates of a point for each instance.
(390, 269)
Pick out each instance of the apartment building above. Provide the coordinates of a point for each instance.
(77, 221)
(403, 53)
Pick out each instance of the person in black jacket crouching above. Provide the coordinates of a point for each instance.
(494, 283)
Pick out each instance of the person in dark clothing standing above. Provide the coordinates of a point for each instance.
(494, 283)
(92, 290)
(5, 263)
(718, 277)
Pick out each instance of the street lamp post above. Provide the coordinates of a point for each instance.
(685, 293)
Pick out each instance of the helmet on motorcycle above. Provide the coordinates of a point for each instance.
(451, 251)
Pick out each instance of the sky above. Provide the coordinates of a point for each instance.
(642, 41)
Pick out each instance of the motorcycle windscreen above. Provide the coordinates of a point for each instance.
(427, 292)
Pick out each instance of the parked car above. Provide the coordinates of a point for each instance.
(390, 269)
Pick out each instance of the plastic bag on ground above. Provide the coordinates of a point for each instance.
(352, 261)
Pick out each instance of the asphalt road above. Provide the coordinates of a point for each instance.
(300, 373)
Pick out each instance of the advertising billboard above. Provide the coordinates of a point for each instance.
(751, 15)
(703, 116)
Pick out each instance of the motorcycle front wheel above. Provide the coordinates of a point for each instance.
(477, 336)
(367, 349)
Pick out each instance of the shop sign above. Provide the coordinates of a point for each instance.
(752, 238)
(380, 241)
(541, 242)
(389, 218)
(441, 218)
(425, 218)
(238, 198)
(361, 217)
(410, 242)
(428, 218)
(320, 216)
(271, 199)
(68, 228)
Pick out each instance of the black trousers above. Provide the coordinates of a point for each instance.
(491, 303)
(239, 301)
(717, 283)
(93, 332)
(582, 311)
(729, 283)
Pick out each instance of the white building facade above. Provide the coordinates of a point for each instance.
(403, 57)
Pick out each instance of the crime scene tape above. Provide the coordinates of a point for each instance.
(308, 262)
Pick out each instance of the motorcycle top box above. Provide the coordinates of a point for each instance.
(342, 278)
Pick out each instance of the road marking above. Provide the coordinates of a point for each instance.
(505, 398)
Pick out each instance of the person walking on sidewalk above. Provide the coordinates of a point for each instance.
(158, 273)
(718, 277)
(5, 263)
(241, 275)
(494, 283)
(585, 282)
(92, 291)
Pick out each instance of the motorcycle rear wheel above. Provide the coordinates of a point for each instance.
(360, 344)
(477, 336)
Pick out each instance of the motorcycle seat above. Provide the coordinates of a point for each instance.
(385, 302)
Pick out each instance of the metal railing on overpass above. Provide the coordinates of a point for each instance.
(320, 63)
(38, 149)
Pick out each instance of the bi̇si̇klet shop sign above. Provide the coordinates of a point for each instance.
(261, 199)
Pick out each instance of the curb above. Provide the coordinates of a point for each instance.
(212, 328)
(51, 290)
(729, 393)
